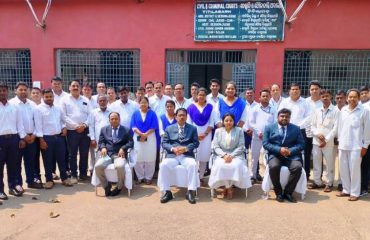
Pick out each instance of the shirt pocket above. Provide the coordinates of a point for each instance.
(355, 123)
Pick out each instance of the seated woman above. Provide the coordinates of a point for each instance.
(229, 165)
(144, 124)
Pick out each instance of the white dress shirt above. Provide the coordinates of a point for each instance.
(158, 105)
(354, 128)
(325, 123)
(125, 111)
(58, 98)
(75, 111)
(248, 108)
(11, 120)
(185, 104)
(210, 99)
(260, 117)
(97, 120)
(27, 113)
(301, 111)
(314, 105)
(276, 104)
(48, 120)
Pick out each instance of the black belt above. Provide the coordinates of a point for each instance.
(55, 135)
(8, 135)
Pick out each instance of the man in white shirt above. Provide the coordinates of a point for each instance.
(76, 109)
(249, 100)
(112, 96)
(215, 95)
(168, 91)
(194, 89)
(324, 126)
(180, 100)
(87, 91)
(59, 94)
(276, 97)
(98, 118)
(101, 89)
(125, 107)
(51, 131)
(301, 114)
(29, 153)
(140, 92)
(364, 94)
(260, 116)
(11, 141)
(354, 139)
(158, 101)
(149, 89)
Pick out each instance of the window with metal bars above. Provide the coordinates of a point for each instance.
(113, 67)
(15, 66)
(335, 69)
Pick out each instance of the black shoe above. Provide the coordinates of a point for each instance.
(340, 188)
(259, 177)
(190, 196)
(107, 190)
(115, 192)
(3, 196)
(290, 198)
(280, 198)
(166, 197)
(15, 192)
(314, 186)
(35, 185)
(83, 178)
(253, 181)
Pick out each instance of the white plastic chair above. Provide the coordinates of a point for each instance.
(179, 175)
(267, 185)
(111, 173)
(213, 158)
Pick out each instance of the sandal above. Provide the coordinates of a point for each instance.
(342, 194)
(353, 198)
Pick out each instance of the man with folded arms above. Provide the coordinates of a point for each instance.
(114, 141)
(324, 127)
(284, 144)
(354, 139)
(51, 131)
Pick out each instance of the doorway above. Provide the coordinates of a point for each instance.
(202, 73)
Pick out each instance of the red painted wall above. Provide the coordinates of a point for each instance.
(157, 25)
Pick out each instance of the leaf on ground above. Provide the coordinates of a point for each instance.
(54, 200)
(12, 215)
(53, 215)
(35, 198)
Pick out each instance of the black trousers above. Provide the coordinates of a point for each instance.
(295, 168)
(365, 171)
(78, 142)
(307, 152)
(9, 150)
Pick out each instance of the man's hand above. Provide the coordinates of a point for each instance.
(201, 136)
(27, 138)
(284, 151)
(64, 132)
(363, 152)
(93, 144)
(80, 128)
(321, 137)
(322, 144)
(228, 158)
(260, 136)
(103, 152)
(22, 144)
(176, 150)
(31, 139)
(43, 144)
(121, 153)
(249, 132)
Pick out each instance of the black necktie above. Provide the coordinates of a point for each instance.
(181, 134)
(115, 137)
(282, 134)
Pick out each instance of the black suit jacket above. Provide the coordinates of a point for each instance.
(106, 140)
(171, 139)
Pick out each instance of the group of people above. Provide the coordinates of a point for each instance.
(207, 134)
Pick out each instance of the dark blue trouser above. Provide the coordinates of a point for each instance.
(54, 153)
(66, 160)
(9, 149)
(29, 156)
(307, 152)
(78, 142)
(365, 170)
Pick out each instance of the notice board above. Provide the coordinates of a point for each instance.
(247, 21)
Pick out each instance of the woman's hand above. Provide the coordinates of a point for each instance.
(228, 158)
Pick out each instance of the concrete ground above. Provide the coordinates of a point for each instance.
(82, 215)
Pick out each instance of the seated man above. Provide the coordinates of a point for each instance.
(284, 143)
(114, 141)
(179, 141)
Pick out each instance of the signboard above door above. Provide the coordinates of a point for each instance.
(247, 21)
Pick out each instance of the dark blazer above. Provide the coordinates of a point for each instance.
(171, 139)
(272, 142)
(106, 140)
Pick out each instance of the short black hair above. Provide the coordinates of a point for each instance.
(75, 80)
(285, 111)
(325, 91)
(249, 89)
(294, 84)
(87, 84)
(215, 80)
(195, 84)
(119, 116)
(170, 102)
(265, 90)
(341, 92)
(276, 85)
(364, 88)
(36, 88)
(158, 82)
(56, 78)
(21, 84)
(181, 109)
(314, 83)
(202, 89)
(182, 85)
(4, 85)
(228, 115)
(353, 90)
(149, 82)
(123, 88)
(47, 90)
(140, 88)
